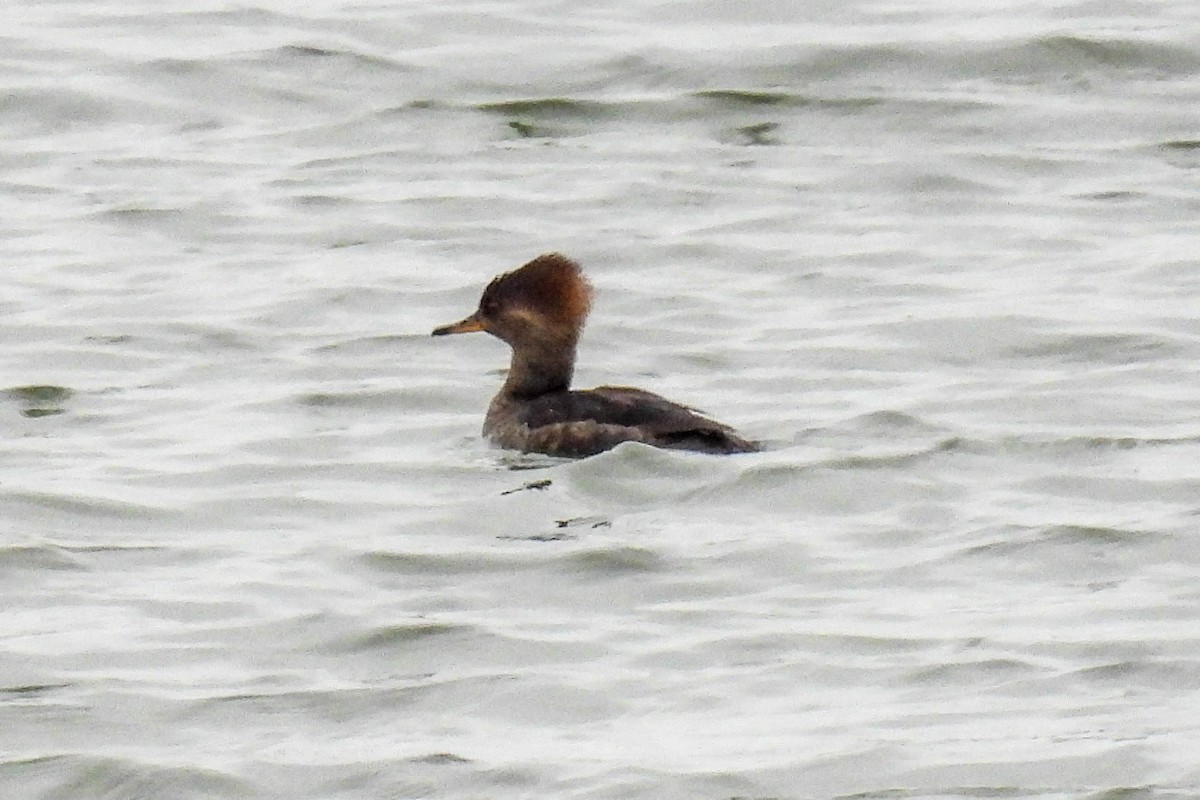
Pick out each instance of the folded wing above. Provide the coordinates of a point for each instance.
(595, 420)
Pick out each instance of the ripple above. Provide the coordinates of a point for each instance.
(1105, 348)
(554, 108)
(396, 636)
(82, 505)
(38, 557)
(1094, 534)
(617, 561)
(313, 53)
(98, 776)
(986, 672)
(1186, 145)
(32, 690)
(40, 400)
(1143, 675)
(1040, 58)
(439, 563)
(749, 98)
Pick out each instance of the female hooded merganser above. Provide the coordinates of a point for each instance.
(539, 310)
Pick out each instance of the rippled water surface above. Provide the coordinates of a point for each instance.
(942, 260)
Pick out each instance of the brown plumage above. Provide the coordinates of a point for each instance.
(552, 285)
(539, 311)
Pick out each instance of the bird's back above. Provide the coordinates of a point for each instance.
(579, 423)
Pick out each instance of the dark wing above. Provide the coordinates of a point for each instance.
(626, 414)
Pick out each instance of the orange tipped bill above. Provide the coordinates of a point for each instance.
(471, 324)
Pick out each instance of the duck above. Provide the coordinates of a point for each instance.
(539, 311)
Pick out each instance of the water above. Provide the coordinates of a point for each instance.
(942, 260)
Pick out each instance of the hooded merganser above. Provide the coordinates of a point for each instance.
(539, 311)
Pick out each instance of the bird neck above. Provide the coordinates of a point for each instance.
(539, 368)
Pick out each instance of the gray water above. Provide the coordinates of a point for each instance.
(943, 261)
